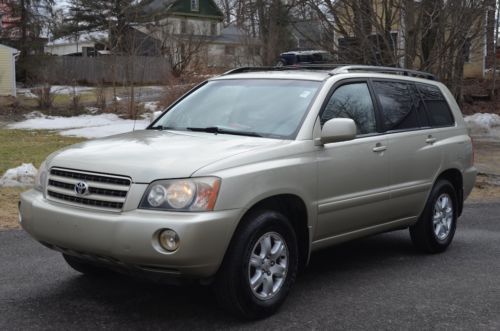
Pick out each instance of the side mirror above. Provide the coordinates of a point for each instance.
(338, 129)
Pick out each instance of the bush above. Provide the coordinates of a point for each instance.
(44, 96)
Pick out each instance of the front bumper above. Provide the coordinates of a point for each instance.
(127, 239)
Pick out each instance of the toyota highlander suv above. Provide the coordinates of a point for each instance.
(242, 178)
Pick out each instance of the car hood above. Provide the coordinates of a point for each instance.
(148, 155)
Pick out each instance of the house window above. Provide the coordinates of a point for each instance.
(195, 5)
(213, 29)
(229, 50)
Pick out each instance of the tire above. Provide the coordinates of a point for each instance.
(435, 228)
(84, 267)
(259, 230)
(280, 63)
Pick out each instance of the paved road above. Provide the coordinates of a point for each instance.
(371, 284)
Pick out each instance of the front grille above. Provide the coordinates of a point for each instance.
(91, 177)
(102, 191)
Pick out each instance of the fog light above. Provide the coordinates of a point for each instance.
(169, 240)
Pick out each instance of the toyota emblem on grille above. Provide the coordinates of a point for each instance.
(81, 188)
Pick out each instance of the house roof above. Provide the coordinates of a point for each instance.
(13, 50)
(207, 8)
(86, 37)
(233, 35)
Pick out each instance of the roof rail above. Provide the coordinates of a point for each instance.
(335, 69)
(326, 67)
(387, 70)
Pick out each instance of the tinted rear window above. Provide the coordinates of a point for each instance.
(438, 111)
(398, 107)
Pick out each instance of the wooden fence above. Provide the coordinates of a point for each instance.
(104, 69)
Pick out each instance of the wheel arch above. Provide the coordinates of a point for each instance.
(294, 208)
(454, 176)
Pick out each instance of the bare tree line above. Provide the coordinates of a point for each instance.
(428, 35)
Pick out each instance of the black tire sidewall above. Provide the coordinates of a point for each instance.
(437, 245)
(236, 263)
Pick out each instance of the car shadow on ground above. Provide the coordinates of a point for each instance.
(119, 301)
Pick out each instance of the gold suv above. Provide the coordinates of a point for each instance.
(242, 178)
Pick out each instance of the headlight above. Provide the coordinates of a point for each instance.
(192, 194)
(41, 177)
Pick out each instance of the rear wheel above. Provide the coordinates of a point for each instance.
(280, 63)
(85, 267)
(435, 229)
(260, 266)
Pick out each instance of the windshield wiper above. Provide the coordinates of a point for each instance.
(161, 128)
(218, 129)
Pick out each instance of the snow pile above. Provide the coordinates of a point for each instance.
(151, 106)
(63, 89)
(152, 111)
(86, 126)
(483, 123)
(24, 175)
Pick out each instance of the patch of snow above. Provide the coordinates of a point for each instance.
(106, 130)
(86, 126)
(483, 123)
(64, 89)
(151, 106)
(34, 114)
(150, 117)
(92, 110)
(26, 92)
(24, 175)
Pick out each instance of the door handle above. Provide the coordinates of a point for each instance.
(430, 140)
(379, 148)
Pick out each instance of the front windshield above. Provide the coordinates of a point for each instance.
(264, 107)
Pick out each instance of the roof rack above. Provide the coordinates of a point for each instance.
(382, 70)
(327, 67)
(335, 69)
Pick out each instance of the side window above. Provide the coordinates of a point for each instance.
(352, 101)
(398, 108)
(438, 111)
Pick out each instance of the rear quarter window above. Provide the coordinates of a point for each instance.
(438, 110)
(397, 105)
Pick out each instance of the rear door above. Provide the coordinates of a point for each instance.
(414, 155)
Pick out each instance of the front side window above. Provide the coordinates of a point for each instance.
(266, 107)
(438, 110)
(352, 101)
(397, 105)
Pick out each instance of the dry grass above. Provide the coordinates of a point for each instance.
(23, 146)
(484, 191)
(8, 212)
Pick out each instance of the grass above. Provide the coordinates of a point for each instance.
(23, 146)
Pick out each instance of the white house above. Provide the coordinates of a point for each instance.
(8, 70)
(84, 44)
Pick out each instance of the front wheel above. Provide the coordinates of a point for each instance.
(435, 229)
(260, 266)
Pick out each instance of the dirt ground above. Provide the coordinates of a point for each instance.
(8, 211)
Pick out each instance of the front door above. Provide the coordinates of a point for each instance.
(353, 176)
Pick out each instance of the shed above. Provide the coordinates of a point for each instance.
(8, 70)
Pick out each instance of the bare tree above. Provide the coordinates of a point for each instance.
(429, 35)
